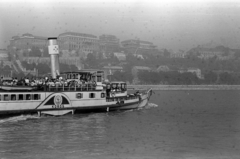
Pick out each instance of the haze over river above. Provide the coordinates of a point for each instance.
(176, 124)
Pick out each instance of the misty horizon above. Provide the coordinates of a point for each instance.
(167, 24)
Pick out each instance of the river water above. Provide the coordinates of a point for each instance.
(176, 124)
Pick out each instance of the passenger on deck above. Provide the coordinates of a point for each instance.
(123, 87)
(15, 81)
(61, 81)
(51, 83)
(21, 82)
(27, 82)
(79, 77)
(46, 80)
(108, 89)
(57, 82)
(1, 81)
(118, 88)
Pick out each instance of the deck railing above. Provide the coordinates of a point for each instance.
(129, 97)
(56, 88)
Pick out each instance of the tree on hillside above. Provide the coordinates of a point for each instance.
(226, 78)
(35, 52)
(43, 69)
(91, 61)
(210, 77)
(119, 76)
(66, 67)
(128, 72)
(166, 53)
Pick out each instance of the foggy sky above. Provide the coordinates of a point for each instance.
(171, 24)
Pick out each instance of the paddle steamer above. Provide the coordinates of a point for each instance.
(69, 92)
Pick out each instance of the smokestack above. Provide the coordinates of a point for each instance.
(53, 51)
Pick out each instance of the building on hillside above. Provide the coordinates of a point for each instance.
(179, 54)
(163, 68)
(37, 60)
(111, 69)
(3, 55)
(195, 71)
(220, 52)
(80, 43)
(139, 47)
(6, 63)
(109, 43)
(46, 60)
(135, 71)
(27, 41)
(139, 56)
(120, 56)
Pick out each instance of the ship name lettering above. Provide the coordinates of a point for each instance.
(58, 106)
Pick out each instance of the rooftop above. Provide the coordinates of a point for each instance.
(27, 35)
(137, 41)
(78, 34)
(142, 68)
(113, 67)
(85, 71)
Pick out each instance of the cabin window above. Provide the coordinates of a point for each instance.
(6, 97)
(102, 95)
(28, 96)
(68, 76)
(36, 96)
(20, 97)
(108, 86)
(78, 76)
(99, 79)
(13, 96)
(123, 87)
(79, 95)
(118, 87)
(114, 86)
(91, 95)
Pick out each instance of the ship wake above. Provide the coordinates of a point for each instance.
(150, 105)
(18, 118)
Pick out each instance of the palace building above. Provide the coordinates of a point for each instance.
(138, 46)
(109, 43)
(27, 41)
(79, 42)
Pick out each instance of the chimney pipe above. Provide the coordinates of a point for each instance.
(53, 51)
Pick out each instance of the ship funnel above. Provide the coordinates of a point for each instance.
(53, 51)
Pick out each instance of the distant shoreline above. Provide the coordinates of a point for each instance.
(184, 87)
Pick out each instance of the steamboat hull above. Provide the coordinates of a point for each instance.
(61, 103)
(142, 102)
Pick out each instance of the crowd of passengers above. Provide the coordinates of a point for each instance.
(59, 81)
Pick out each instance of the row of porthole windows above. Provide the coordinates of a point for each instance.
(91, 95)
(19, 97)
